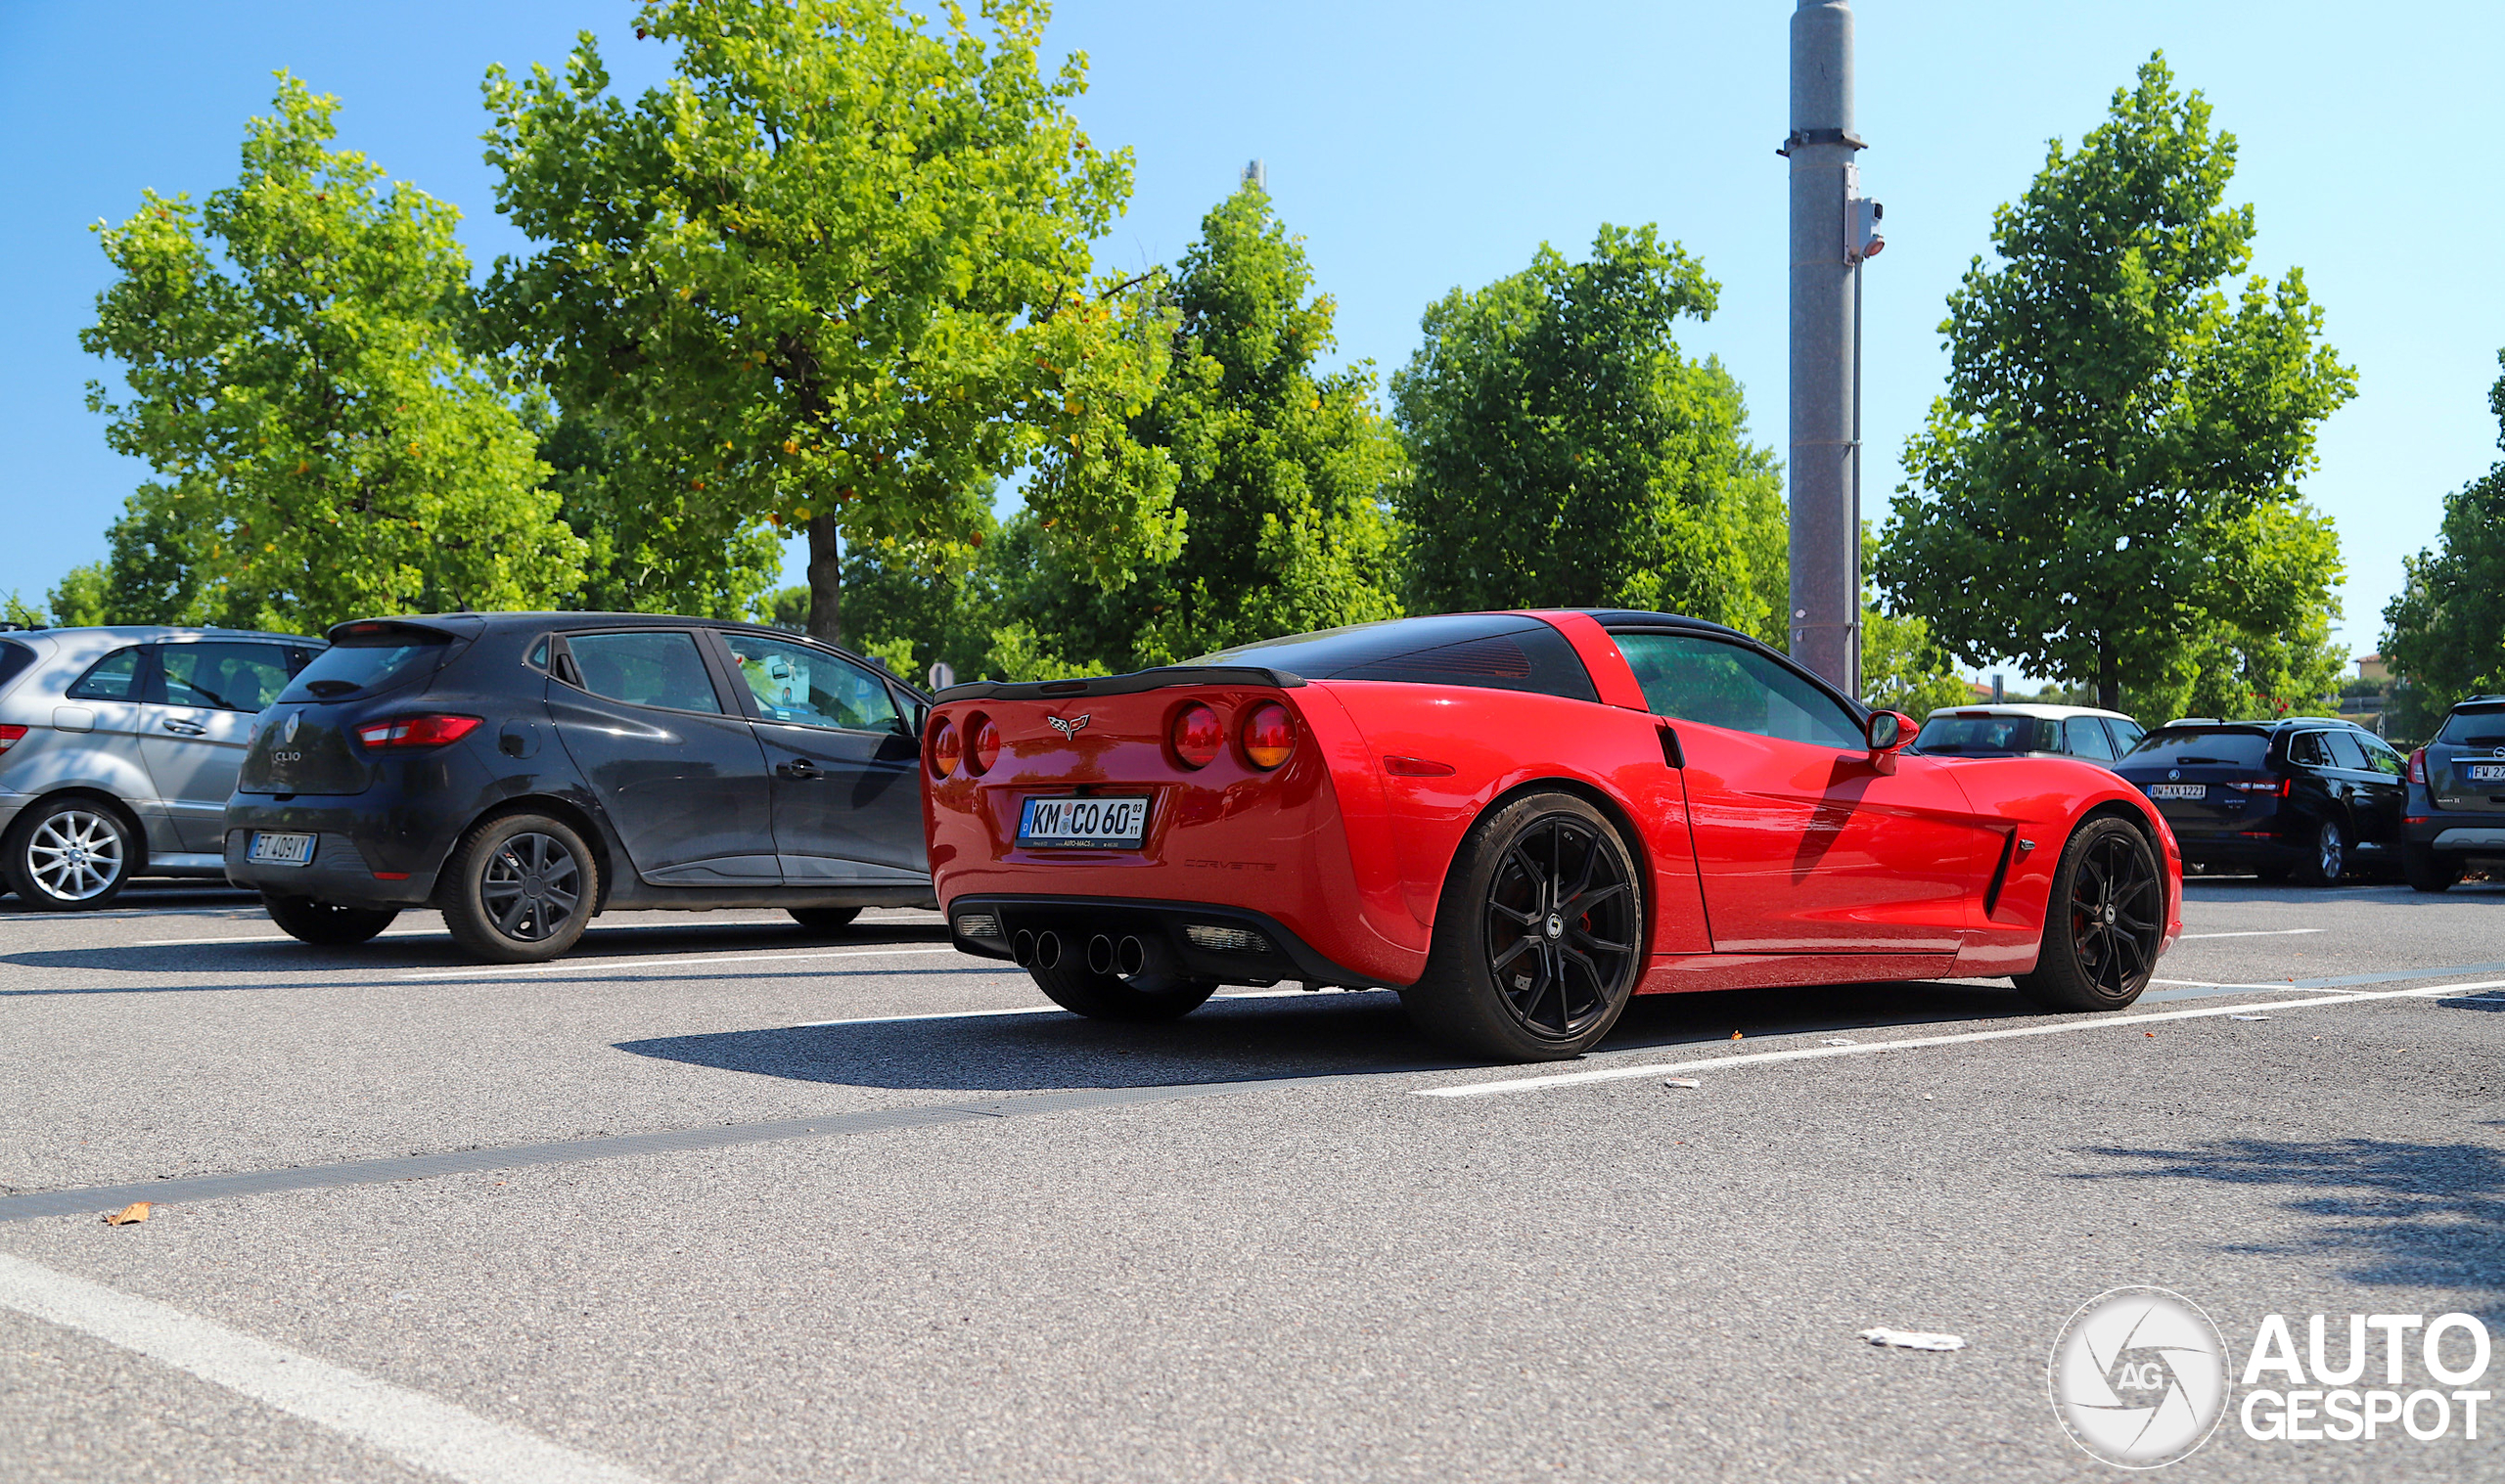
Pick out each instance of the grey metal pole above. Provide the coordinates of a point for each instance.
(1826, 518)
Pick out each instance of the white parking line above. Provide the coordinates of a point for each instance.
(2270, 932)
(419, 1430)
(586, 968)
(1821, 1053)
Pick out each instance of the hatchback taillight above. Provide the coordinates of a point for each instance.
(986, 747)
(1197, 736)
(2278, 786)
(2418, 766)
(11, 735)
(1269, 735)
(433, 730)
(945, 747)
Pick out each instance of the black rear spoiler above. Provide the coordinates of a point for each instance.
(1119, 685)
(430, 629)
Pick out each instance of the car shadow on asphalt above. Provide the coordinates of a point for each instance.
(2405, 1213)
(1267, 1037)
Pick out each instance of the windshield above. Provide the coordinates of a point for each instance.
(366, 665)
(2475, 726)
(1993, 735)
(2185, 745)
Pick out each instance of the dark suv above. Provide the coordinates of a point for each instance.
(525, 772)
(2311, 799)
(2457, 796)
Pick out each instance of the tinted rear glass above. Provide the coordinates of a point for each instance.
(2187, 746)
(1988, 735)
(368, 665)
(14, 660)
(1490, 651)
(2475, 726)
(115, 677)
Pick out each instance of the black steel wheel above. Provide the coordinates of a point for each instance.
(69, 855)
(1540, 937)
(325, 923)
(519, 888)
(2105, 923)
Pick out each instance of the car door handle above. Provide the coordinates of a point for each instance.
(800, 768)
(176, 724)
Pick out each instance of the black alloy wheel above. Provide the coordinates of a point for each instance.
(519, 888)
(2106, 923)
(2323, 865)
(71, 855)
(2426, 871)
(824, 919)
(325, 923)
(1539, 939)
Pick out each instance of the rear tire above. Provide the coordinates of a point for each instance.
(1145, 997)
(1540, 937)
(324, 923)
(824, 918)
(2106, 917)
(2426, 871)
(519, 888)
(2328, 861)
(69, 855)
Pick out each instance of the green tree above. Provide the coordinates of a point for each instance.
(324, 447)
(836, 275)
(1902, 669)
(1566, 453)
(1284, 473)
(2110, 477)
(646, 555)
(2444, 632)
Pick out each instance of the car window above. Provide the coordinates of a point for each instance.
(2085, 738)
(2344, 751)
(115, 677)
(222, 675)
(14, 659)
(369, 663)
(810, 688)
(1493, 652)
(651, 669)
(2475, 726)
(2127, 734)
(2306, 749)
(1691, 678)
(2168, 745)
(2382, 759)
(1964, 735)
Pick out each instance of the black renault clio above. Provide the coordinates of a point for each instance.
(525, 772)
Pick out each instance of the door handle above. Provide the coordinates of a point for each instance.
(177, 725)
(800, 768)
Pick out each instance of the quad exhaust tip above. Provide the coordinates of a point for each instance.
(1100, 954)
(1130, 957)
(1035, 951)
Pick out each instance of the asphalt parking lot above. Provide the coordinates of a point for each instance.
(713, 1199)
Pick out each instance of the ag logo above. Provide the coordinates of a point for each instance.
(2139, 1377)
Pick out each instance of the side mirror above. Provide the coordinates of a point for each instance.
(1889, 732)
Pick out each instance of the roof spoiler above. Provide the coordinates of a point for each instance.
(424, 630)
(1119, 685)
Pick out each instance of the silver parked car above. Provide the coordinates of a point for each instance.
(118, 748)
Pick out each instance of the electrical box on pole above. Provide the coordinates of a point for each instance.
(1834, 230)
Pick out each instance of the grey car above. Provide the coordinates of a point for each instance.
(118, 748)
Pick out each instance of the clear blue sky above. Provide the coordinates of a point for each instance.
(1418, 147)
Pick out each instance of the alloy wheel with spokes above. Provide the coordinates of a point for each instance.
(1539, 938)
(2107, 923)
(519, 888)
(70, 856)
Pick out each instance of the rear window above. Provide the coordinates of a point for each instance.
(370, 664)
(14, 660)
(1489, 652)
(2185, 746)
(1988, 736)
(2475, 726)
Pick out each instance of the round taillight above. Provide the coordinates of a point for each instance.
(986, 748)
(1269, 735)
(1197, 737)
(945, 744)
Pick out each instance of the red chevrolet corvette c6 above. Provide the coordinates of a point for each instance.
(1518, 821)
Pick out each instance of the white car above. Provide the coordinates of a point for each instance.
(2021, 729)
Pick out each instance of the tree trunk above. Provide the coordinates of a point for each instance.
(2109, 677)
(826, 581)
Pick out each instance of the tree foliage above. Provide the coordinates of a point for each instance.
(836, 275)
(2444, 632)
(2109, 482)
(1566, 454)
(323, 447)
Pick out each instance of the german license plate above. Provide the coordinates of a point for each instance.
(2178, 790)
(2487, 772)
(280, 849)
(1083, 822)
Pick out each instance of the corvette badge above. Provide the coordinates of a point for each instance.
(1067, 726)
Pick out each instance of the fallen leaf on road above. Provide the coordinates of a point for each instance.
(1914, 1339)
(2152, 1035)
(1680, 1082)
(130, 1215)
(1735, 1035)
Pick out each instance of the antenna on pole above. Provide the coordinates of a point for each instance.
(1834, 230)
(1256, 174)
